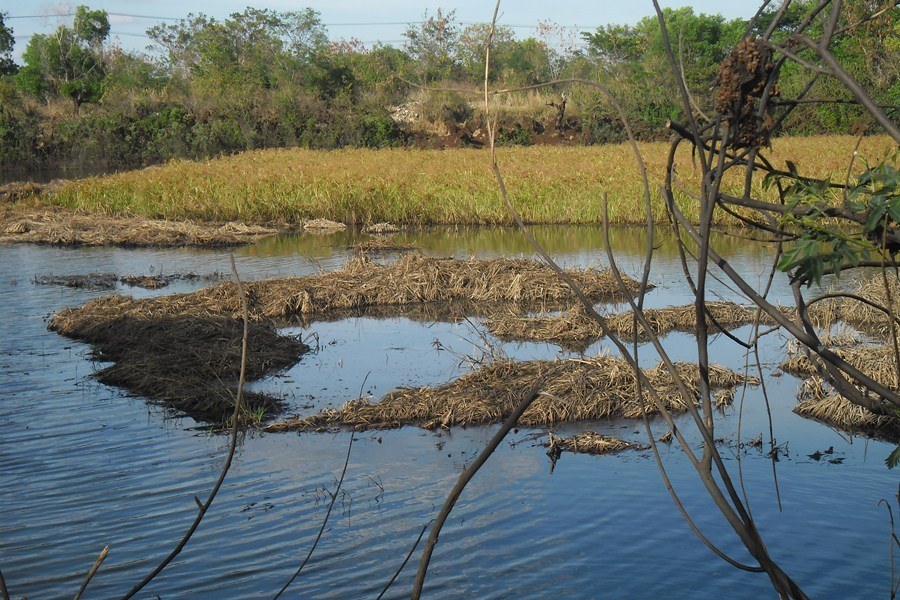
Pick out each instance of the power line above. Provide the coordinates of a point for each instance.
(348, 24)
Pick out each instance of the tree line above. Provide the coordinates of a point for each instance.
(265, 78)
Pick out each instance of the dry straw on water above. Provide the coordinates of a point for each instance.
(576, 330)
(572, 390)
(381, 245)
(859, 315)
(412, 280)
(819, 401)
(64, 227)
(184, 350)
(588, 442)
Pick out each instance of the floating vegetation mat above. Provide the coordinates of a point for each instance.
(381, 245)
(878, 362)
(819, 401)
(173, 348)
(861, 316)
(64, 227)
(381, 228)
(576, 330)
(108, 281)
(412, 280)
(588, 442)
(572, 390)
(190, 364)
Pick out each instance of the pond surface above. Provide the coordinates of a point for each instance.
(83, 465)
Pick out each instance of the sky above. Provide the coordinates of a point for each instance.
(366, 20)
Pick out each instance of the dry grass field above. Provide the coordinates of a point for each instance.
(425, 187)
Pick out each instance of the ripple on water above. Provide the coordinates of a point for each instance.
(83, 465)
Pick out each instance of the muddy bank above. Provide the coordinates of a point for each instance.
(571, 390)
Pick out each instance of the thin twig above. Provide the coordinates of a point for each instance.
(93, 571)
(231, 450)
(464, 478)
(324, 522)
(405, 560)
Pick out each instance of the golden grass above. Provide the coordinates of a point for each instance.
(547, 184)
(576, 330)
(572, 390)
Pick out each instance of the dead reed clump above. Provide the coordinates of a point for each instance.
(92, 281)
(573, 330)
(323, 226)
(190, 364)
(148, 282)
(65, 227)
(572, 390)
(379, 246)
(818, 401)
(878, 362)
(411, 281)
(588, 442)
(381, 228)
(576, 330)
(859, 315)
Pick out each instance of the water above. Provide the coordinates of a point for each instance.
(83, 465)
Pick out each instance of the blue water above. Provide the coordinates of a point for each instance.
(83, 465)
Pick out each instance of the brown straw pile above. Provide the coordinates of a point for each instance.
(572, 390)
(173, 348)
(64, 227)
(859, 315)
(817, 400)
(576, 330)
(412, 280)
(588, 442)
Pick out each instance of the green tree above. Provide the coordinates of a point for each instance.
(7, 41)
(434, 45)
(68, 62)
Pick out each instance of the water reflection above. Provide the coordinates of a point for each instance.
(83, 465)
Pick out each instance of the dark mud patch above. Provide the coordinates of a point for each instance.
(190, 364)
(108, 281)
